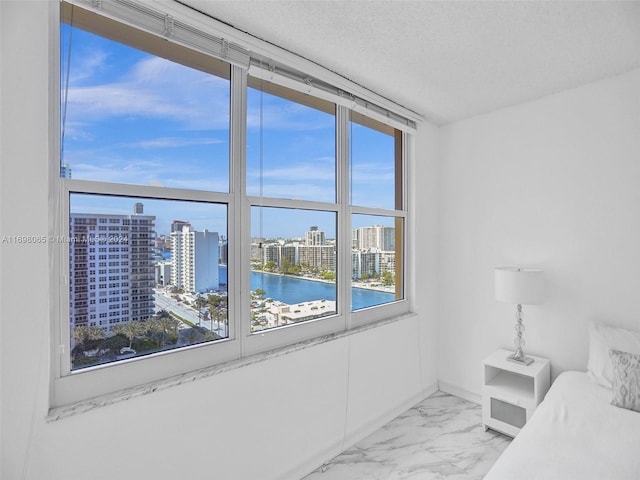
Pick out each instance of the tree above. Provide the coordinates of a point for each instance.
(83, 334)
(285, 264)
(192, 335)
(218, 307)
(327, 275)
(260, 293)
(131, 330)
(200, 302)
(387, 278)
(163, 324)
(305, 267)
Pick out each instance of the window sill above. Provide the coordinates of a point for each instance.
(66, 411)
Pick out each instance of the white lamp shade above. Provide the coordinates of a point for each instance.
(524, 286)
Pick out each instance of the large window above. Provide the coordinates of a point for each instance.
(205, 213)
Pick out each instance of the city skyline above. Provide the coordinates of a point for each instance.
(212, 217)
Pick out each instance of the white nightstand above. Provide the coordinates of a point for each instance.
(511, 392)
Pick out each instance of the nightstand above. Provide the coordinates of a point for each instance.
(511, 392)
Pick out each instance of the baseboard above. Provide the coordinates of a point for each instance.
(341, 444)
(460, 392)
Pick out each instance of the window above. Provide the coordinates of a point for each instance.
(157, 316)
(154, 116)
(291, 162)
(231, 210)
(291, 144)
(376, 174)
(293, 273)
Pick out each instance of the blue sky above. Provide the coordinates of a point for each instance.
(135, 118)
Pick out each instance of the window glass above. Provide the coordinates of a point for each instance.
(128, 116)
(376, 260)
(290, 144)
(293, 266)
(141, 281)
(374, 164)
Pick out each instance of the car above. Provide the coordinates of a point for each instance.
(127, 350)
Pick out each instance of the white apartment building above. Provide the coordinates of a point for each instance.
(376, 236)
(194, 257)
(373, 251)
(365, 263)
(163, 272)
(280, 253)
(111, 268)
(314, 237)
(321, 257)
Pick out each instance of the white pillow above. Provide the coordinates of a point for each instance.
(603, 338)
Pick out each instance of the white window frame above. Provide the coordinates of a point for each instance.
(276, 66)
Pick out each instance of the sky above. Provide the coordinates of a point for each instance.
(130, 117)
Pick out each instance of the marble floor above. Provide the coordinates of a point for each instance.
(440, 438)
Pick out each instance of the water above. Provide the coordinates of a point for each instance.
(293, 290)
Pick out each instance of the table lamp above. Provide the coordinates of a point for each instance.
(519, 286)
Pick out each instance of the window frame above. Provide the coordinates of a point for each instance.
(70, 387)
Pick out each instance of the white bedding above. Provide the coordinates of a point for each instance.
(575, 433)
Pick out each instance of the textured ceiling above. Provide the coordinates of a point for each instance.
(449, 60)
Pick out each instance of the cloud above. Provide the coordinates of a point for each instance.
(275, 113)
(314, 169)
(374, 173)
(174, 142)
(149, 88)
(159, 171)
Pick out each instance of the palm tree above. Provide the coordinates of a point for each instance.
(82, 333)
(164, 324)
(224, 316)
(191, 335)
(131, 330)
(218, 305)
(200, 303)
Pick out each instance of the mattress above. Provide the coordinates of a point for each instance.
(575, 433)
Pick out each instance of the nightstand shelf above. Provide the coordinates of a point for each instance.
(511, 392)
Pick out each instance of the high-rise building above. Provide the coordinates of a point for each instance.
(111, 268)
(365, 263)
(376, 236)
(316, 252)
(194, 257)
(224, 251)
(280, 253)
(163, 272)
(318, 257)
(314, 237)
(176, 225)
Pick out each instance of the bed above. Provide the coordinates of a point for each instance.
(576, 432)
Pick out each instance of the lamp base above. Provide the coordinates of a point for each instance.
(520, 360)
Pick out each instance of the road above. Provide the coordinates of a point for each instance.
(166, 302)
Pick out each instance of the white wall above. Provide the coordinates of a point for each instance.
(553, 184)
(270, 420)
